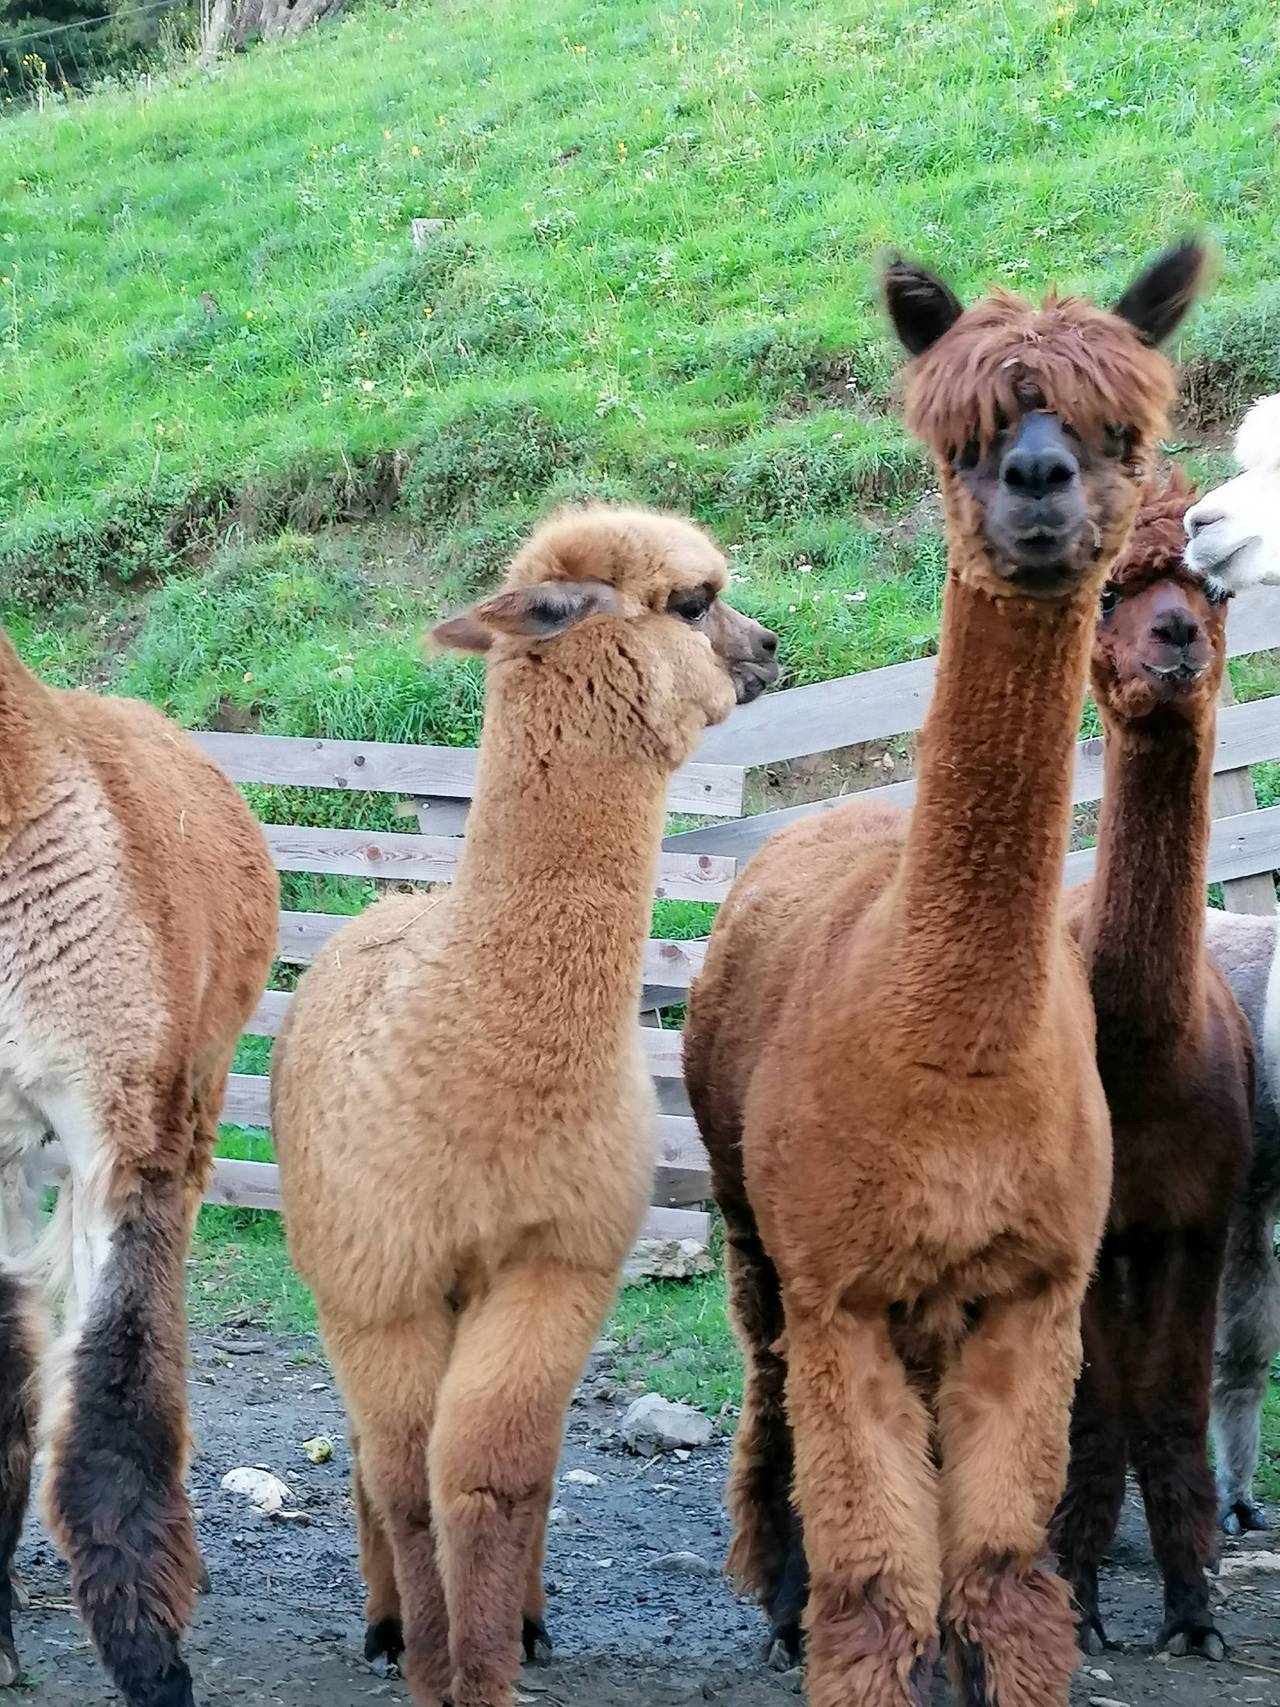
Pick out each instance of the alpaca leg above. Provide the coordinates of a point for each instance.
(1175, 1288)
(384, 1628)
(1248, 1340)
(537, 1644)
(520, 1349)
(390, 1374)
(18, 1340)
(1085, 1523)
(114, 1497)
(1003, 1415)
(767, 1553)
(866, 1491)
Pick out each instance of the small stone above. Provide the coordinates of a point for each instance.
(682, 1455)
(1097, 1674)
(422, 231)
(265, 1493)
(1105, 1701)
(319, 1449)
(582, 1479)
(653, 1424)
(684, 1565)
(667, 1259)
(557, 1514)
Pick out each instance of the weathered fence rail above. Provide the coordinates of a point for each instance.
(698, 864)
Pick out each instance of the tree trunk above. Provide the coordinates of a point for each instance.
(234, 22)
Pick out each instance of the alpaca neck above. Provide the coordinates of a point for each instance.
(979, 889)
(1144, 938)
(23, 733)
(555, 890)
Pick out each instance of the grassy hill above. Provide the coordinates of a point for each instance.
(655, 277)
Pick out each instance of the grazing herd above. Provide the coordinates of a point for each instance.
(999, 1168)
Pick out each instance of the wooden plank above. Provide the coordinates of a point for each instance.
(661, 1047)
(1247, 735)
(249, 1104)
(667, 961)
(1245, 843)
(1233, 792)
(391, 857)
(384, 767)
(893, 701)
(256, 1185)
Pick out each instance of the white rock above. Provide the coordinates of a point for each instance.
(1237, 1564)
(667, 1259)
(1105, 1701)
(653, 1424)
(265, 1493)
(582, 1479)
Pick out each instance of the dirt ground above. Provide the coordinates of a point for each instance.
(282, 1625)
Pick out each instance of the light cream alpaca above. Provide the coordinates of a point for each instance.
(461, 1108)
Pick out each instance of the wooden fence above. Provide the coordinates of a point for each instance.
(434, 784)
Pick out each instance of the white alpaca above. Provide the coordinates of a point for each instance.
(1233, 540)
(1233, 533)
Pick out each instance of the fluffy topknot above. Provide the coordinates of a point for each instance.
(1159, 536)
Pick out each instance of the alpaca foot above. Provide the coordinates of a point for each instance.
(1182, 1638)
(784, 1648)
(1092, 1636)
(204, 1583)
(173, 1689)
(1243, 1516)
(10, 1665)
(538, 1646)
(21, 1593)
(384, 1641)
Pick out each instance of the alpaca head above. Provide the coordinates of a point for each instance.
(621, 609)
(1043, 421)
(1161, 641)
(1233, 533)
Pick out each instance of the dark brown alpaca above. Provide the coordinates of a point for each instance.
(891, 1055)
(1177, 1064)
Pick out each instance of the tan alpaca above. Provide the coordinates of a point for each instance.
(138, 918)
(891, 1056)
(461, 1108)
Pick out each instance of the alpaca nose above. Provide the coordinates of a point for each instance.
(1176, 628)
(1038, 471)
(767, 641)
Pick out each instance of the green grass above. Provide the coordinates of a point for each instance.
(657, 274)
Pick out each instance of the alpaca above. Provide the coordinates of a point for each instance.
(1233, 533)
(890, 1053)
(482, 1051)
(138, 919)
(1176, 1060)
(1248, 1328)
(1233, 540)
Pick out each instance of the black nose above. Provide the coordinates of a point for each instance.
(1037, 471)
(768, 642)
(1176, 628)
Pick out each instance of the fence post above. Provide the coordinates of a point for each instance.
(1233, 793)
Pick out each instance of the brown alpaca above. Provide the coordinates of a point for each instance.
(891, 1054)
(461, 1107)
(138, 918)
(1177, 1065)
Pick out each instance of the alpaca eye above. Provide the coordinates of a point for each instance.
(1215, 594)
(689, 607)
(967, 457)
(1110, 599)
(1117, 442)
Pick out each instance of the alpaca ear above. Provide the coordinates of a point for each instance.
(921, 307)
(1158, 300)
(526, 613)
